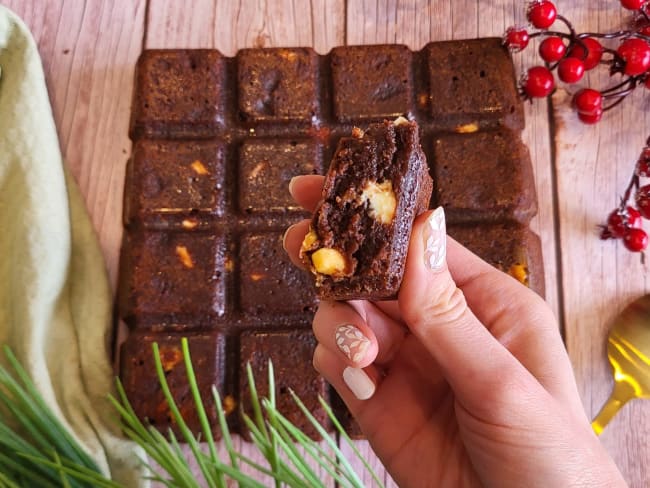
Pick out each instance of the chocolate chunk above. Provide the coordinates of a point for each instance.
(377, 184)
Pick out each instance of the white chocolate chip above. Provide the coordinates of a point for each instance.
(381, 199)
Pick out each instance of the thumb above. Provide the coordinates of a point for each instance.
(436, 312)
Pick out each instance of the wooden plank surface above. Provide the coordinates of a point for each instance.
(89, 50)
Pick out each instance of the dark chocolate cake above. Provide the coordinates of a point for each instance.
(216, 141)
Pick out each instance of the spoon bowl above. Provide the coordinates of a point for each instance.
(628, 350)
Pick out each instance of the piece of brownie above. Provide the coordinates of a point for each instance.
(268, 282)
(265, 169)
(178, 93)
(278, 85)
(175, 183)
(485, 176)
(291, 352)
(377, 184)
(140, 381)
(172, 275)
(472, 83)
(371, 82)
(509, 247)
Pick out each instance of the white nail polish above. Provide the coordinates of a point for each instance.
(359, 383)
(435, 240)
(351, 341)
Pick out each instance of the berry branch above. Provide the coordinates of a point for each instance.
(571, 54)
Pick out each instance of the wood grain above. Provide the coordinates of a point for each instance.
(89, 50)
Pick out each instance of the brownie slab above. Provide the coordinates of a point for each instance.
(268, 282)
(484, 176)
(378, 182)
(142, 387)
(291, 352)
(509, 247)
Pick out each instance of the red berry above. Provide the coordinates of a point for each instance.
(643, 164)
(636, 240)
(542, 13)
(642, 199)
(539, 82)
(644, 31)
(636, 54)
(632, 4)
(594, 53)
(571, 70)
(619, 221)
(552, 49)
(588, 101)
(592, 118)
(516, 38)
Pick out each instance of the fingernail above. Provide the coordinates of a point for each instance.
(291, 183)
(359, 383)
(284, 236)
(435, 240)
(352, 342)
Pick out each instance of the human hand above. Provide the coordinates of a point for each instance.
(464, 380)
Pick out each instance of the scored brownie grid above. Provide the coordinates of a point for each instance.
(397, 84)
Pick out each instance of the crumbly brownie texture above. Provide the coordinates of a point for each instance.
(377, 184)
(216, 140)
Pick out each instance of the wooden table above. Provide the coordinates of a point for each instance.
(89, 49)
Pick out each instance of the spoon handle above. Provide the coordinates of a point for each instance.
(619, 397)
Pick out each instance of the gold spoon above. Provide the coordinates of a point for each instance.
(628, 350)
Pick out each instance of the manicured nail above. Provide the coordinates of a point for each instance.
(435, 240)
(291, 183)
(352, 342)
(359, 383)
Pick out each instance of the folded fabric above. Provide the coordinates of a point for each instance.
(55, 300)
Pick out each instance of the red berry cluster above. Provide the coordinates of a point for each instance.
(571, 54)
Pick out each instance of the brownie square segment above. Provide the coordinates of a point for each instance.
(172, 275)
(377, 184)
(269, 283)
(178, 93)
(278, 85)
(472, 83)
(509, 247)
(138, 375)
(265, 169)
(183, 179)
(485, 176)
(371, 82)
(291, 352)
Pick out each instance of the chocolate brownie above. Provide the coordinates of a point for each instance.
(216, 141)
(268, 282)
(140, 381)
(472, 84)
(509, 247)
(173, 182)
(377, 184)
(178, 93)
(291, 352)
(278, 85)
(267, 166)
(485, 176)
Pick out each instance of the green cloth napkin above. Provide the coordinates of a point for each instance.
(55, 300)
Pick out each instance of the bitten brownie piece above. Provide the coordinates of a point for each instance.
(471, 83)
(172, 275)
(278, 85)
(184, 179)
(268, 279)
(371, 82)
(142, 387)
(377, 184)
(512, 248)
(486, 176)
(291, 352)
(178, 93)
(267, 166)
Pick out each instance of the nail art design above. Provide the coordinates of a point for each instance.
(360, 384)
(435, 240)
(352, 342)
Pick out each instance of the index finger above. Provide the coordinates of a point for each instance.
(306, 190)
